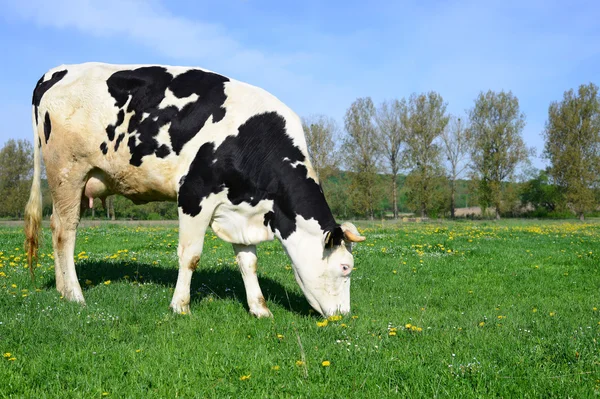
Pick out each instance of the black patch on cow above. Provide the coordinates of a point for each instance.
(210, 89)
(104, 148)
(251, 166)
(47, 126)
(42, 87)
(147, 87)
(119, 139)
(163, 151)
(110, 129)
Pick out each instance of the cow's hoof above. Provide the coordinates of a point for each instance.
(261, 312)
(180, 308)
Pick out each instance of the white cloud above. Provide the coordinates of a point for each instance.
(146, 22)
(189, 41)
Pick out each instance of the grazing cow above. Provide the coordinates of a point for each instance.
(233, 156)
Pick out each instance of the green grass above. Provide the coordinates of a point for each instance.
(503, 309)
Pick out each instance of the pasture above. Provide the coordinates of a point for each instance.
(453, 309)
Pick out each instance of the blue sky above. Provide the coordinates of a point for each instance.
(316, 56)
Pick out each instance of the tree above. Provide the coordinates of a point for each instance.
(539, 193)
(498, 148)
(16, 165)
(361, 149)
(321, 135)
(392, 118)
(457, 145)
(426, 121)
(572, 135)
(337, 194)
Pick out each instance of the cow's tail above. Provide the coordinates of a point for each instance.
(33, 210)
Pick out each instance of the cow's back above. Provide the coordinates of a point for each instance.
(139, 127)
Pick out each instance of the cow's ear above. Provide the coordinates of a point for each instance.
(333, 237)
(351, 233)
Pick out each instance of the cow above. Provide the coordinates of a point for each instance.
(232, 155)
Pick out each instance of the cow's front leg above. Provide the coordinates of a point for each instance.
(246, 259)
(191, 240)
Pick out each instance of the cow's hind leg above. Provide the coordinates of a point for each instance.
(65, 218)
(246, 259)
(191, 241)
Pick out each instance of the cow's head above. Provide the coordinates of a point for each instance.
(323, 269)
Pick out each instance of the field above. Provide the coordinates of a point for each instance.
(463, 309)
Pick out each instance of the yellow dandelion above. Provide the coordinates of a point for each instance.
(322, 323)
(343, 325)
(354, 317)
(280, 336)
(7, 355)
(534, 310)
(326, 363)
(245, 377)
(13, 285)
(105, 393)
(138, 350)
(299, 363)
(12, 359)
(408, 326)
(552, 314)
(481, 323)
(107, 282)
(392, 333)
(334, 318)
(275, 368)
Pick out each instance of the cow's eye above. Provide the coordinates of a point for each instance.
(346, 269)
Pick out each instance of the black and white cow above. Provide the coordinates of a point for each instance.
(233, 156)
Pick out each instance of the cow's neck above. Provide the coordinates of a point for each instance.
(305, 245)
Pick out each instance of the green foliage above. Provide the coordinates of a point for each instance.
(572, 146)
(362, 152)
(429, 193)
(392, 130)
(321, 134)
(16, 167)
(456, 139)
(457, 309)
(497, 146)
(427, 120)
(540, 194)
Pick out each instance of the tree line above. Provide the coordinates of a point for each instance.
(411, 155)
(434, 150)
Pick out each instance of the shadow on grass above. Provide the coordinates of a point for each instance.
(222, 283)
